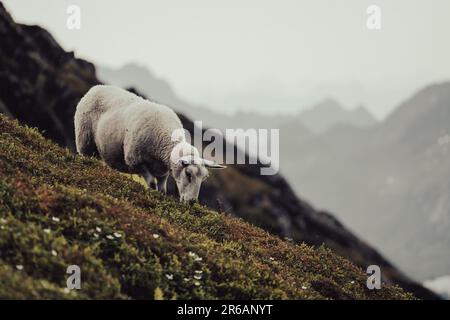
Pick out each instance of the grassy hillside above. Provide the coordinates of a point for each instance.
(58, 209)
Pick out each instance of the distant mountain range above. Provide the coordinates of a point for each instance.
(329, 113)
(389, 181)
(317, 119)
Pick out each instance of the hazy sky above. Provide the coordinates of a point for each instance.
(267, 55)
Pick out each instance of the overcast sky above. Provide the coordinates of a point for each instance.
(262, 55)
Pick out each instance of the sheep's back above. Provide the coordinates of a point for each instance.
(149, 128)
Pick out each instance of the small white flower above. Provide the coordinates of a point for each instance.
(304, 287)
(155, 235)
(195, 256)
(56, 219)
(95, 235)
(54, 253)
(98, 229)
(352, 282)
(198, 271)
(272, 259)
(110, 237)
(186, 279)
(197, 283)
(117, 235)
(169, 276)
(2, 220)
(66, 290)
(19, 267)
(196, 277)
(47, 231)
(2, 227)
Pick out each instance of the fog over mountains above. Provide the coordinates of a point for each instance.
(316, 119)
(389, 181)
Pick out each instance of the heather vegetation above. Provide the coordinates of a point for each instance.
(59, 209)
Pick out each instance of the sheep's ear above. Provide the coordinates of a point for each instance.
(212, 165)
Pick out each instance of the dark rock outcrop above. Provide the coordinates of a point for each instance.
(40, 82)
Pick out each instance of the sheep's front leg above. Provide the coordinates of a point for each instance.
(162, 184)
(149, 178)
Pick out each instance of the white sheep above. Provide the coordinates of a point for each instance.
(135, 135)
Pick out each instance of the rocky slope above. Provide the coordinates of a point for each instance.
(43, 85)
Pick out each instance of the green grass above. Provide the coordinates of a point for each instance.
(58, 209)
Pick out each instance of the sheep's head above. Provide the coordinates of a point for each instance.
(189, 172)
